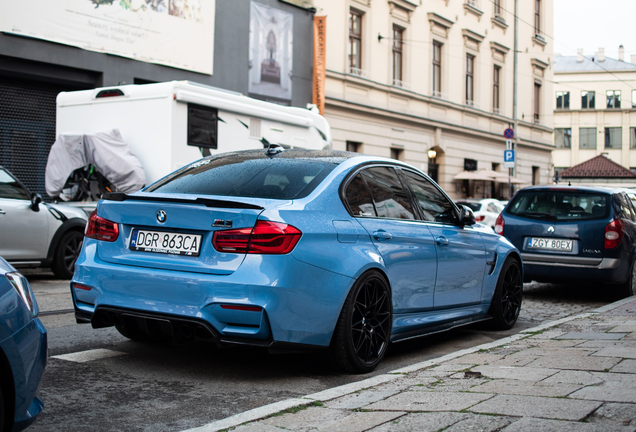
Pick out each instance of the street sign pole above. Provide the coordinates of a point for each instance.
(511, 172)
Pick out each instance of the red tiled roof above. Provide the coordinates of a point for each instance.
(598, 167)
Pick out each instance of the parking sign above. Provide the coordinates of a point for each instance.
(509, 158)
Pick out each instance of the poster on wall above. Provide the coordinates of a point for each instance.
(177, 33)
(271, 47)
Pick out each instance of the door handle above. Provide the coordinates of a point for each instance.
(442, 241)
(2, 212)
(382, 235)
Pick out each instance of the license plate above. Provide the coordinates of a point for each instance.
(550, 244)
(166, 242)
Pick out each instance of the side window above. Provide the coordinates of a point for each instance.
(435, 206)
(390, 199)
(628, 212)
(358, 198)
(493, 208)
(9, 188)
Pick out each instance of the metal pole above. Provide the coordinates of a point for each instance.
(512, 171)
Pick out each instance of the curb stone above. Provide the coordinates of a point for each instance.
(333, 393)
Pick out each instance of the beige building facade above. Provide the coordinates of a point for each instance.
(408, 76)
(594, 109)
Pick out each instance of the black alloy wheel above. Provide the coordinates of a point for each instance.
(506, 301)
(66, 255)
(363, 331)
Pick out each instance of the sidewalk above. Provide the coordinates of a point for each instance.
(574, 374)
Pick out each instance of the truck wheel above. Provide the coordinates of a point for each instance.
(363, 331)
(506, 301)
(66, 254)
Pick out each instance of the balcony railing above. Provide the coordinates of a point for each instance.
(472, 103)
(440, 95)
(474, 3)
(359, 72)
(401, 84)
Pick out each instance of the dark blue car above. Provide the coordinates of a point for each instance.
(568, 233)
(22, 351)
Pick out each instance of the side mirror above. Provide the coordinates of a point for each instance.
(36, 199)
(466, 215)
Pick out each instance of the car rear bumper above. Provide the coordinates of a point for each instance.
(270, 299)
(541, 267)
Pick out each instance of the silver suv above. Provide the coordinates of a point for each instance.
(38, 234)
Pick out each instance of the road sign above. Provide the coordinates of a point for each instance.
(509, 133)
(508, 144)
(509, 159)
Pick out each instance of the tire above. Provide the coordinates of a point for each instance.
(628, 288)
(506, 301)
(66, 254)
(363, 331)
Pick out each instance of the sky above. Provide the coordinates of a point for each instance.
(594, 24)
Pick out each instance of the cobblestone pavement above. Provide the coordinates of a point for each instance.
(574, 374)
(547, 302)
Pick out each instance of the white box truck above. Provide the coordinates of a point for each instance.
(171, 124)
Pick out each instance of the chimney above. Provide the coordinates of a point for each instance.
(601, 54)
(579, 55)
(621, 53)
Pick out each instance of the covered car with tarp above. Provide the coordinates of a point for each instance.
(84, 166)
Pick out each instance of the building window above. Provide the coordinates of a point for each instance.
(557, 173)
(353, 146)
(632, 137)
(498, 9)
(633, 98)
(495, 88)
(398, 34)
(537, 17)
(613, 138)
(587, 138)
(563, 138)
(396, 153)
(355, 41)
(537, 102)
(588, 99)
(536, 172)
(470, 79)
(437, 68)
(613, 98)
(563, 100)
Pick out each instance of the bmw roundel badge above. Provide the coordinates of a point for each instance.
(161, 216)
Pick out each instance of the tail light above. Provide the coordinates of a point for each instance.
(499, 225)
(480, 218)
(265, 238)
(614, 233)
(99, 228)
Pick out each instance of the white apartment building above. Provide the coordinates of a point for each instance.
(408, 76)
(594, 109)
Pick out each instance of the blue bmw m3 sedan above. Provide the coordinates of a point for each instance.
(293, 249)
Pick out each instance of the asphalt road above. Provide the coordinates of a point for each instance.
(148, 387)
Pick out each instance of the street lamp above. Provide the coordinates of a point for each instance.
(432, 166)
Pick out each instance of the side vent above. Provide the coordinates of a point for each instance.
(492, 264)
(255, 128)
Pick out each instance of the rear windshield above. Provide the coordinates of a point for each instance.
(560, 205)
(276, 178)
(471, 205)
